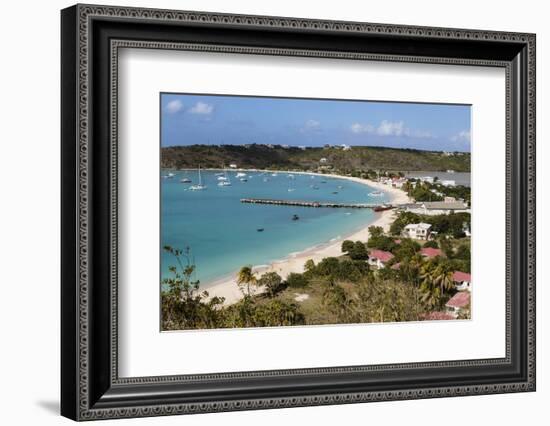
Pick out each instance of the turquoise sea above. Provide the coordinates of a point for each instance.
(222, 232)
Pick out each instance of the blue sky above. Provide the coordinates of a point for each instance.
(206, 119)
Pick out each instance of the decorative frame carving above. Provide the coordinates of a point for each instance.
(84, 397)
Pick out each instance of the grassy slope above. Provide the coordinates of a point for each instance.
(358, 158)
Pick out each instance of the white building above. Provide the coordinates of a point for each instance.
(462, 280)
(379, 258)
(428, 179)
(323, 160)
(418, 231)
(233, 166)
(448, 183)
(433, 208)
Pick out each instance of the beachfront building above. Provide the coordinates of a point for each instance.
(462, 280)
(428, 179)
(448, 183)
(457, 303)
(433, 208)
(232, 166)
(417, 231)
(323, 160)
(431, 252)
(379, 258)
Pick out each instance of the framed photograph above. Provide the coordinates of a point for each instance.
(263, 212)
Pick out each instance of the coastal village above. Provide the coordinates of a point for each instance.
(411, 264)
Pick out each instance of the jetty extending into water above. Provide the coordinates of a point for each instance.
(298, 203)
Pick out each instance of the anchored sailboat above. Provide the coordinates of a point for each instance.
(199, 186)
(224, 180)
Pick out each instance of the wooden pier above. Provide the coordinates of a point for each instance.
(315, 204)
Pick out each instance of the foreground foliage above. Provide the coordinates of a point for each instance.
(340, 290)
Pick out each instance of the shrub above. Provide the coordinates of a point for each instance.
(347, 246)
(432, 244)
(272, 282)
(295, 280)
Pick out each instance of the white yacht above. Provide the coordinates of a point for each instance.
(199, 186)
(224, 180)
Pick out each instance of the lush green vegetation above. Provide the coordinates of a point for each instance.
(338, 290)
(425, 191)
(359, 161)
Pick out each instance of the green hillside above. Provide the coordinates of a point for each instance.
(336, 159)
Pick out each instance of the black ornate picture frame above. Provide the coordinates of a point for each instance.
(91, 36)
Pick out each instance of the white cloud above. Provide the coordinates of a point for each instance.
(173, 106)
(390, 128)
(362, 128)
(202, 108)
(463, 136)
(312, 124)
(421, 134)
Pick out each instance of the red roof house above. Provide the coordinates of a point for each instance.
(379, 258)
(457, 302)
(436, 316)
(463, 280)
(430, 252)
(461, 277)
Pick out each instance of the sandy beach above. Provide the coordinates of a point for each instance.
(228, 288)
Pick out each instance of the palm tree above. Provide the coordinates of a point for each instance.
(443, 276)
(246, 277)
(411, 268)
(437, 278)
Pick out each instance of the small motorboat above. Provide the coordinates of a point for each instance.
(375, 194)
(243, 179)
(314, 187)
(185, 180)
(382, 208)
(335, 192)
(260, 229)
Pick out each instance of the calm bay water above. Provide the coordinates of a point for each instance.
(222, 232)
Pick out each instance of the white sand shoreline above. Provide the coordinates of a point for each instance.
(227, 287)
